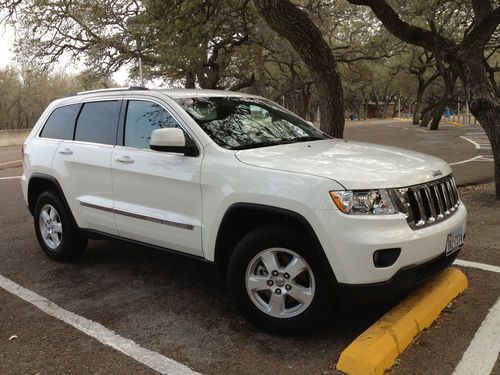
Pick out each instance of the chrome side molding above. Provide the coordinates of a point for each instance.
(138, 216)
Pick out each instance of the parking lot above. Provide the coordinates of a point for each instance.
(176, 308)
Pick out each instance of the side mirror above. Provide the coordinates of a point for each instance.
(310, 123)
(172, 140)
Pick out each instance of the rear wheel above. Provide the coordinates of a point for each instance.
(55, 232)
(279, 282)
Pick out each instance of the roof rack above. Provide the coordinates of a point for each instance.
(113, 89)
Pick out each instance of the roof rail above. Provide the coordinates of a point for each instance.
(112, 89)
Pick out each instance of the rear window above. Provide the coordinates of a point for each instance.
(61, 123)
(98, 122)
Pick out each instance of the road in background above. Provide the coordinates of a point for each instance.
(470, 164)
(10, 157)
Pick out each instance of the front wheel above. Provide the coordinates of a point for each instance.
(279, 282)
(56, 234)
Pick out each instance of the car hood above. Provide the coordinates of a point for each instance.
(355, 165)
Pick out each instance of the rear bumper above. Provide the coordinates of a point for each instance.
(403, 281)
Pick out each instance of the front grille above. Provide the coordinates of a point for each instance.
(431, 202)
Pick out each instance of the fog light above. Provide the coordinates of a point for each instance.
(386, 257)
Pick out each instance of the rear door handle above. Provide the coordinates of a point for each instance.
(124, 159)
(66, 151)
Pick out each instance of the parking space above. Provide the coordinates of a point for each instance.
(471, 165)
(179, 309)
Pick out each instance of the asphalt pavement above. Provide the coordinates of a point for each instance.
(179, 308)
(471, 165)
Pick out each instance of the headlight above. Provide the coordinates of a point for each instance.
(365, 202)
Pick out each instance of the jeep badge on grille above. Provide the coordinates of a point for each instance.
(437, 172)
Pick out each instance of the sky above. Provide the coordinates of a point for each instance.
(7, 39)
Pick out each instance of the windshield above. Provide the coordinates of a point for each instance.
(239, 123)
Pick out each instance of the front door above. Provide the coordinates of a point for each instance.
(157, 194)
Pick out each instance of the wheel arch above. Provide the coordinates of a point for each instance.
(39, 183)
(240, 218)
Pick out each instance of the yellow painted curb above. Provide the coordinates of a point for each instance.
(454, 123)
(376, 349)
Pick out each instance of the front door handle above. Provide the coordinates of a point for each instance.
(66, 151)
(124, 159)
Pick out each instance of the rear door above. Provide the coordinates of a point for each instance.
(157, 194)
(58, 127)
(82, 165)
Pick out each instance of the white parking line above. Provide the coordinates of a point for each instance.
(478, 139)
(482, 353)
(475, 158)
(128, 347)
(481, 266)
(471, 141)
(9, 178)
(11, 162)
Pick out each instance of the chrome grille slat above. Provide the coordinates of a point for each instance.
(421, 209)
(456, 191)
(446, 199)
(432, 218)
(451, 194)
(440, 202)
(432, 202)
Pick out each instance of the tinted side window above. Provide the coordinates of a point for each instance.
(98, 122)
(61, 122)
(142, 118)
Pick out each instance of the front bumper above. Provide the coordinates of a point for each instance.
(349, 242)
(403, 281)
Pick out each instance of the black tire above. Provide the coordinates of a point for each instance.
(71, 245)
(279, 236)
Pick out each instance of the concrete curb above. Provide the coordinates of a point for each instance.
(454, 123)
(376, 349)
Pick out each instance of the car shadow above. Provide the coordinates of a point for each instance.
(169, 302)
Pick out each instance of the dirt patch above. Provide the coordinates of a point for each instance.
(482, 242)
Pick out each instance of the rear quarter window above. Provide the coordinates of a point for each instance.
(61, 122)
(98, 122)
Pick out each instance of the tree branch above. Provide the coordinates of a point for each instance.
(482, 32)
(397, 27)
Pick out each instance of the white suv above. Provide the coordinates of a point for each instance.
(295, 220)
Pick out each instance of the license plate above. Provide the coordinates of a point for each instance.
(454, 241)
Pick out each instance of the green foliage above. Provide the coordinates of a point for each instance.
(25, 93)
(225, 44)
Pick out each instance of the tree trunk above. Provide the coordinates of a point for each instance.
(190, 80)
(384, 108)
(427, 114)
(418, 105)
(426, 118)
(422, 86)
(292, 23)
(484, 104)
(437, 114)
(450, 78)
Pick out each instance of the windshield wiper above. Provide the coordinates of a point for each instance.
(277, 142)
(257, 144)
(305, 139)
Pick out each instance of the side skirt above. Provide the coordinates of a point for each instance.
(98, 235)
